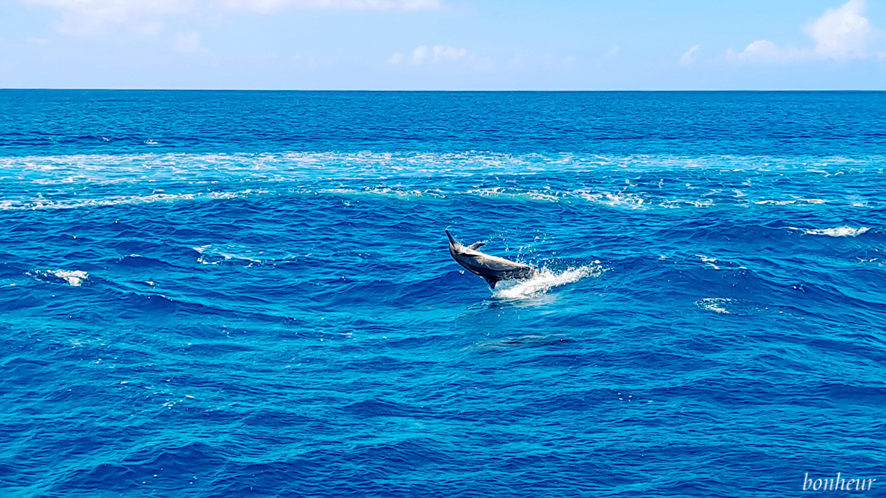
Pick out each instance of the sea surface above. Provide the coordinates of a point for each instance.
(226, 294)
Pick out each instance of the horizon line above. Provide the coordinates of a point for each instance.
(435, 90)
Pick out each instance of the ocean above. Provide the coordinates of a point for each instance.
(224, 294)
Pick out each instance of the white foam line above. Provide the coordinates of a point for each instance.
(132, 199)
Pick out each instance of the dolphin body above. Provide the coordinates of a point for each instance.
(491, 268)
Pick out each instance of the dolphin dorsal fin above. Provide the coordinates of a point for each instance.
(476, 245)
(491, 281)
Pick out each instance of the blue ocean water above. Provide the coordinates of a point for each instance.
(250, 293)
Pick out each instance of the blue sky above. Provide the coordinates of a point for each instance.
(444, 44)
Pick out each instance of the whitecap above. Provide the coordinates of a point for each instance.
(619, 200)
(211, 254)
(715, 304)
(710, 262)
(777, 203)
(396, 192)
(75, 278)
(844, 231)
(533, 195)
(702, 203)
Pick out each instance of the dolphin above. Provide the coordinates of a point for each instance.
(491, 268)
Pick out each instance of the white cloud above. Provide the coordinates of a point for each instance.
(441, 54)
(420, 54)
(842, 33)
(690, 55)
(613, 52)
(763, 51)
(189, 42)
(37, 41)
(449, 54)
(839, 34)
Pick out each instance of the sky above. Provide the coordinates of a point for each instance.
(444, 44)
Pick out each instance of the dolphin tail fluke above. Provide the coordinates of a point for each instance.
(451, 238)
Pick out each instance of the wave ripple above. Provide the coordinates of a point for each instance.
(250, 293)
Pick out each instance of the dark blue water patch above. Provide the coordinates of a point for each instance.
(694, 123)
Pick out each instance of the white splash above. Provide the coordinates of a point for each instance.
(708, 261)
(715, 304)
(543, 281)
(74, 278)
(844, 231)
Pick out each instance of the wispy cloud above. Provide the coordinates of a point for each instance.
(188, 43)
(762, 51)
(89, 17)
(85, 17)
(441, 54)
(839, 34)
(690, 55)
(269, 6)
